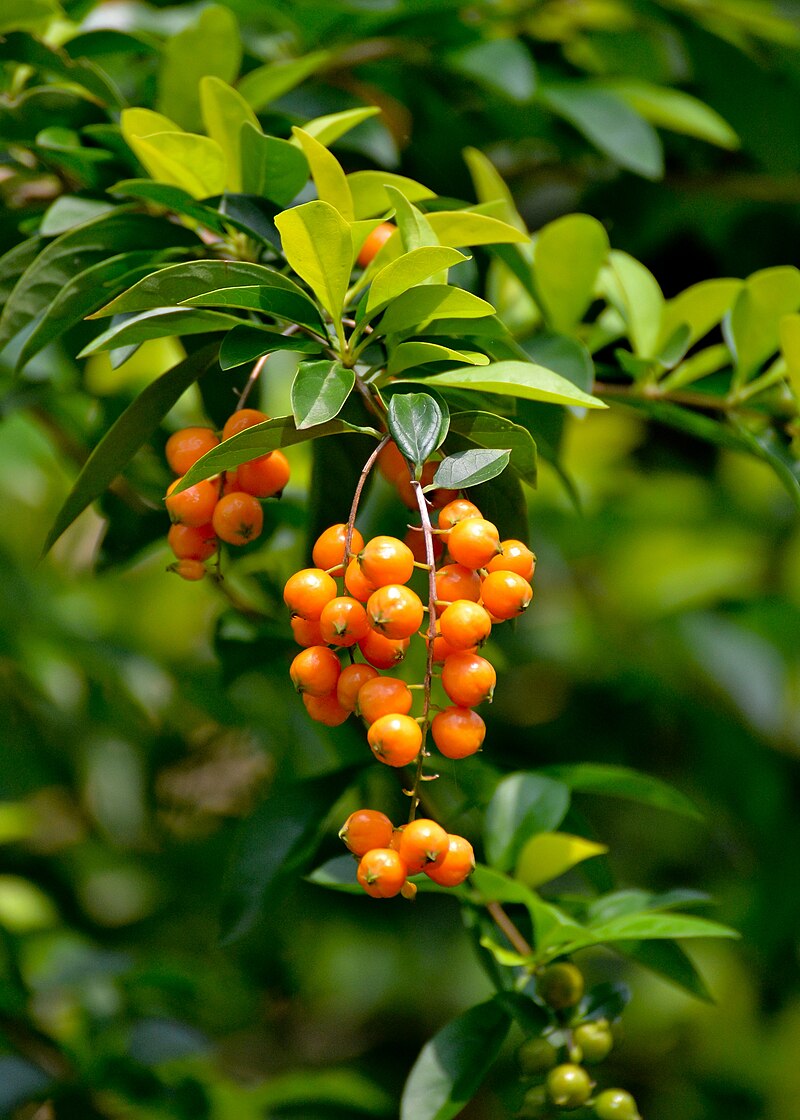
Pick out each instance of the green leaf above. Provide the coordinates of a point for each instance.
(23, 15)
(616, 903)
(491, 187)
(329, 128)
(522, 805)
(175, 199)
(549, 854)
(610, 124)
(248, 342)
(407, 355)
(161, 322)
(467, 227)
(317, 244)
(502, 500)
(676, 110)
(567, 256)
(789, 332)
(267, 83)
(417, 425)
(516, 379)
(71, 210)
(487, 430)
(271, 168)
(272, 299)
(452, 1065)
(635, 293)
(337, 874)
(126, 435)
(769, 446)
(416, 230)
(194, 163)
(319, 391)
(470, 468)
(259, 440)
(418, 308)
(225, 112)
(700, 308)
(654, 926)
(407, 272)
(504, 66)
(15, 262)
(368, 189)
(753, 329)
(551, 925)
(209, 46)
(670, 961)
(329, 178)
(619, 781)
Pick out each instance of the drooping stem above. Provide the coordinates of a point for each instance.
(504, 923)
(430, 559)
(351, 521)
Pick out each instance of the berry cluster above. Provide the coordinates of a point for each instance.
(226, 508)
(564, 1085)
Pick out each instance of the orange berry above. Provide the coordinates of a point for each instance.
(188, 569)
(241, 419)
(383, 696)
(454, 581)
(468, 679)
(325, 709)
(465, 624)
(366, 829)
(456, 511)
(266, 476)
(473, 542)
(441, 648)
(374, 242)
(506, 595)
(458, 863)
(230, 482)
(188, 445)
(350, 681)
(306, 633)
(383, 653)
(395, 611)
(409, 890)
(307, 592)
(423, 843)
(238, 518)
(516, 557)
(385, 560)
(381, 873)
(391, 463)
(395, 739)
(315, 670)
(189, 542)
(328, 552)
(193, 506)
(416, 542)
(343, 621)
(356, 582)
(397, 834)
(458, 732)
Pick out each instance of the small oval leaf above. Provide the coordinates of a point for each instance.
(417, 425)
(469, 468)
(319, 391)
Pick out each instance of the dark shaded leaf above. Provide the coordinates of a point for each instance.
(488, 430)
(522, 805)
(248, 342)
(417, 424)
(619, 781)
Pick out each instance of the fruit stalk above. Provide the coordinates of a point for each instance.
(430, 559)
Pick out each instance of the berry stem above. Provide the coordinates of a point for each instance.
(427, 530)
(351, 521)
(504, 923)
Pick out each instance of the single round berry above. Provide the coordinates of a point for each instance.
(458, 732)
(454, 581)
(569, 1086)
(315, 671)
(328, 552)
(383, 696)
(307, 592)
(306, 631)
(442, 649)
(242, 419)
(238, 518)
(325, 709)
(264, 477)
(423, 845)
(395, 739)
(506, 595)
(561, 986)
(383, 653)
(381, 873)
(356, 582)
(396, 611)
(366, 829)
(349, 684)
(473, 542)
(458, 863)
(192, 543)
(465, 624)
(536, 1056)
(190, 570)
(185, 447)
(386, 560)
(616, 1104)
(374, 242)
(468, 679)
(193, 506)
(455, 511)
(516, 557)
(343, 621)
(594, 1040)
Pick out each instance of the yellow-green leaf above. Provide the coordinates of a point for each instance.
(329, 178)
(144, 122)
(635, 293)
(410, 354)
(224, 112)
(567, 256)
(550, 854)
(468, 227)
(267, 83)
(369, 194)
(407, 271)
(318, 245)
(700, 307)
(491, 187)
(329, 128)
(753, 335)
(210, 45)
(183, 159)
(790, 347)
(676, 110)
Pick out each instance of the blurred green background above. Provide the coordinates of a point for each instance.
(141, 719)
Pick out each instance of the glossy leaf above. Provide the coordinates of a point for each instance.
(488, 430)
(126, 435)
(369, 193)
(272, 168)
(549, 854)
(700, 308)
(161, 322)
(458, 228)
(317, 244)
(567, 256)
(452, 1065)
(619, 781)
(753, 329)
(407, 355)
(248, 342)
(407, 272)
(676, 110)
(327, 173)
(415, 228)
(418, 308)
(522, 805)
(224, 113)
(503, 66)
(277, 300)
(319, 391)
(417, 425)
(332, 126)
(669, 961)
(655, 926)
(635, 293)
(194, 163)
(211, 45)
(265, 84)
(789, 332)
(491, 187)
(517, 379)
(69, 211)
(470, 468)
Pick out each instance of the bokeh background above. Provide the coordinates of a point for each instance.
(142, 719)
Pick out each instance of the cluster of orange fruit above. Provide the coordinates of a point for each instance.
(224, 508)
(388, 855)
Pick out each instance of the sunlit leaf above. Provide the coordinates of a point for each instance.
(407, 272)
(369, 194)
(267, 83)
(224, 113)
(549, 854)
(567, 256)
(319, 391)
(210, 45)
(516, 379)
(329, 178)
(317, 244)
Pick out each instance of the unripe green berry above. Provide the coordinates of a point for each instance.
(536, 1056)
(616, 1104)
(561, 986)
(594, 1040)
(569, 1086)
(535, 1104)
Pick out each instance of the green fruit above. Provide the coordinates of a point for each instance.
(569, 1086)
(616, 1104)
(535, 1056)
(561, 986)
(594, 1040)
(535, 1104)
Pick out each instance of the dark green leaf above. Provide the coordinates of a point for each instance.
(271, 167)
(522, 805)
(278, 302)
(469, 468)
(654, 926)
(503, 66)
(247, 342)
(619, 781)
(71, 210)
(451, 1067)
(631, 902)
(564, 355)
(605, 1001)
(161, 322)
(15, 262)
(337, 874)
(670, 961)
(487, 430)
(25, 49)
(319, 391)
(126, 435)
(417, 425)
(531, 1016)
